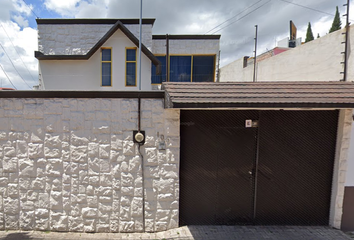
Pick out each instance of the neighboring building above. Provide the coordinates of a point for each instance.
(318, 60)
(249, 61)
(102, 54)
(6, 89)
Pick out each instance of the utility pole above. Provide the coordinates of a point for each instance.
(255, 54)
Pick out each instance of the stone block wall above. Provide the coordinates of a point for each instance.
(72, 165)
(187, 46)
(78, 39)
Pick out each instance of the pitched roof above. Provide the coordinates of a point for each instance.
(98, 45)
(259, 95)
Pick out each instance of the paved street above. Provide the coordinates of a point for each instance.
(197, 233)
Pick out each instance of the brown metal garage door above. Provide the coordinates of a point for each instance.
(277, 173)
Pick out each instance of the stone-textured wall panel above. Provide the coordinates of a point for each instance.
(78, 39)
(187, 46)
(72, 165)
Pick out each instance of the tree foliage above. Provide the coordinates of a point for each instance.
(336, 25)
(309, 34)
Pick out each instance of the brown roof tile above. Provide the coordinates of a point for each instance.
(260, 95)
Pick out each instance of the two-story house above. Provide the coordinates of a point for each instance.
(102, 54)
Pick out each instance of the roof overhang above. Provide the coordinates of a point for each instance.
(260, 95)
(81, 94)
(186, 37)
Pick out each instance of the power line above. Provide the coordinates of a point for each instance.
(14, 66)
(233, 16)
(313, 9)
(30, 8)
(17, 52)
(7, 77)
(242, 17)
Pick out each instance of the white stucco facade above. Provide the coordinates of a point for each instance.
(340, 170)
(86, 74)
(350, 175)
(71, 165)
(319, 60)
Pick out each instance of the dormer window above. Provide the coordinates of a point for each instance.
(106, 67)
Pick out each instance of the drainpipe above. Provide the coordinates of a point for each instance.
(167, 57)
(139, 138)
(140, 38)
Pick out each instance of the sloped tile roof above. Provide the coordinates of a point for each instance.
(259, 95)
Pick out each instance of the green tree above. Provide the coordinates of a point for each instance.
(318, 35)
(309, 34)
(336, 25)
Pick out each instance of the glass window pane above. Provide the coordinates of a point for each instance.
(106, 74)
(158, 79)
(106, 55)
(203, 68)
(131, 74)
(131, 54)
(180, 68)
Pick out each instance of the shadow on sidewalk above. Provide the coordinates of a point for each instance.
(16, 236)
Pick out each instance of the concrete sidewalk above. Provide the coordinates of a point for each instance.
(196, 233)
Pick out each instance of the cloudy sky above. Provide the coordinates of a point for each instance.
(234, 20)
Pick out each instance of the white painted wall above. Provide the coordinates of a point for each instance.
(340, 167)
(350, 175)
(86, 74)
(319, 60)
(78, 39)
(72, 165)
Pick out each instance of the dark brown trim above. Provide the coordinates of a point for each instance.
(82, 94)
(116, 26)
(41, 56)
(94, 21)
(190, 37)
(171, 104)
(348, 210)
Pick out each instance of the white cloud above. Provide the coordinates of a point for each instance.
(20, 20)
(78, 8)
(94, 9)
(66, 8)
(21, 53)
